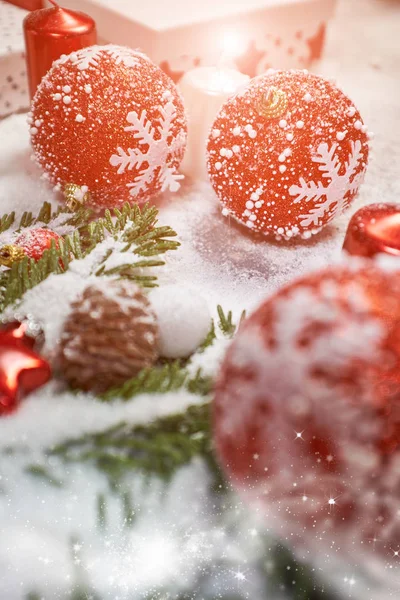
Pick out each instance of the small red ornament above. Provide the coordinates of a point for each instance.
(21, 369)
(307, 410)
(31, 243)
(287, 154)
(35, 241)
(374, 229)
(114, 104)
(51, 32)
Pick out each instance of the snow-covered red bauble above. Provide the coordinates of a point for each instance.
(35, 241)
(31, 243)
(108, 120)
(307, 409)
(287, 154)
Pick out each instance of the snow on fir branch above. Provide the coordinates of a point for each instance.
(165, 444)
(158, 448)
(45, 216)
(133, 231)
(160, 380)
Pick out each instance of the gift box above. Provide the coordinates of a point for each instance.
(13, 81)
(178, 35)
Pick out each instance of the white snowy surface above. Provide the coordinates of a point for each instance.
(183, 319)
(175, 534)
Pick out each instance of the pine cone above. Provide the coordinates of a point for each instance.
(109, 336)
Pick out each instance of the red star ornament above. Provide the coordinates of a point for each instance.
(21, 369)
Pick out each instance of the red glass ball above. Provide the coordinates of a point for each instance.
(287, 154)
(307, 410)
(107, 119)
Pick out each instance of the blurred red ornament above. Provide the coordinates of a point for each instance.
(307, 410)
(51, 32)
(287, 154)
(114, 102)
(374, 229)
(21, 369)
(31, 243)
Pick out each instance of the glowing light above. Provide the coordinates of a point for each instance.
(240, 576)
(350, 581)
(253, 532)
(332, 502)
(232, 44)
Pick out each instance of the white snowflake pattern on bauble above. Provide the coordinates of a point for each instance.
(160, 145)
(339, 189)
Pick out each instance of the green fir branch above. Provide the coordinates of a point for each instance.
(209, 339)
(40, 472)
(101, 510)
(158, 448)
(137, 227)
(160, 379)
(141, 237)
(225, 321)
(6, 222)
(45, 216)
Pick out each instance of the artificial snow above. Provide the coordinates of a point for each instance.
(87, 57)
(183, 319)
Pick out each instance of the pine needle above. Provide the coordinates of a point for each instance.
(161, 379)
(136, 226)
(160, 447)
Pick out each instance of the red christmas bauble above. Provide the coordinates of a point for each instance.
(31, 243)
(374, 229)
(307, 409)
(287, 154)
(35, 241)
(107, 119)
